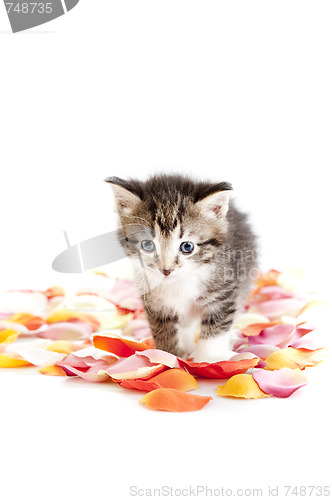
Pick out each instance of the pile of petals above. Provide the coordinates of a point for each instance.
(101, 334)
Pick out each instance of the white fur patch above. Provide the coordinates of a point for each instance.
(213, 348)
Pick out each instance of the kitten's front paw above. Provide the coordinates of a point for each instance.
(213, 349)
(200, 357)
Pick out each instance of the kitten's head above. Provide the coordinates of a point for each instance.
(170, 223)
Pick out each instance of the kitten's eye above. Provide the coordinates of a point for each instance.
(148, 245)
(186, 247)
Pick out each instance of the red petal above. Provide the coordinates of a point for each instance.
(220, 369)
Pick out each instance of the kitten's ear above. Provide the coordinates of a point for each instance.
(215, 204)
(125, 193)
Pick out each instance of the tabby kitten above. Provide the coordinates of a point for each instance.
(194, 257)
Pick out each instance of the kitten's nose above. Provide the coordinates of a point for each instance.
(166, 272)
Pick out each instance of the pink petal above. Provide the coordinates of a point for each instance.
(160, 357)
(302, 330)
(92, 374)
(87, 357)
(275, 292)
(66, 330)
(277, 335)
(134, 367)
(248, 355)
(280, 383)
(125, 295)
(138, 328)
(309, 341)
(275, 308)
(4, 315)
(261, 350)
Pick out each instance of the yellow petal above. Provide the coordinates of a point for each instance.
(8, 336)
(241, 386)
(61, 346)
(10, 361)
(294, 358)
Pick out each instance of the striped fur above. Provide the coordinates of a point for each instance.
(204, 290)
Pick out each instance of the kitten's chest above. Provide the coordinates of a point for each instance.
(181, 296)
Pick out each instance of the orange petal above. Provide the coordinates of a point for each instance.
(66, 315)
(170, 379)
(117, 345)
(149, 342)
(8, 336)
(29, 320)
(241, 386)
(173, 400)
(255, 329)
(267, 279)
(294, 358)
(53, 370)
(12, 361)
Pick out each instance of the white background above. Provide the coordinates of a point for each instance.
(236, 91)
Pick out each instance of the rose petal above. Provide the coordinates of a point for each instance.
(248, 355)
(266, 279)
(62, 346)
(53, 370)
(134, 367)
(273, 292)
(66, 330)
(138, 328)
(125, 295)
(95, 373)
(8, 336)
(309, 341)
(256, 328)
(247, 319)
(277, 335)
(311, 304)
(241, 386)
(66, 315)
(275, 308)
(118, 345)
(260, 350)
(160, 357)
(294, 358)
(87, 357)
(9, 360)
(280, 383)
(17, 327)
(173, 378)
(173, 400)
(220, 369)
(30, 321)
(37, 356)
